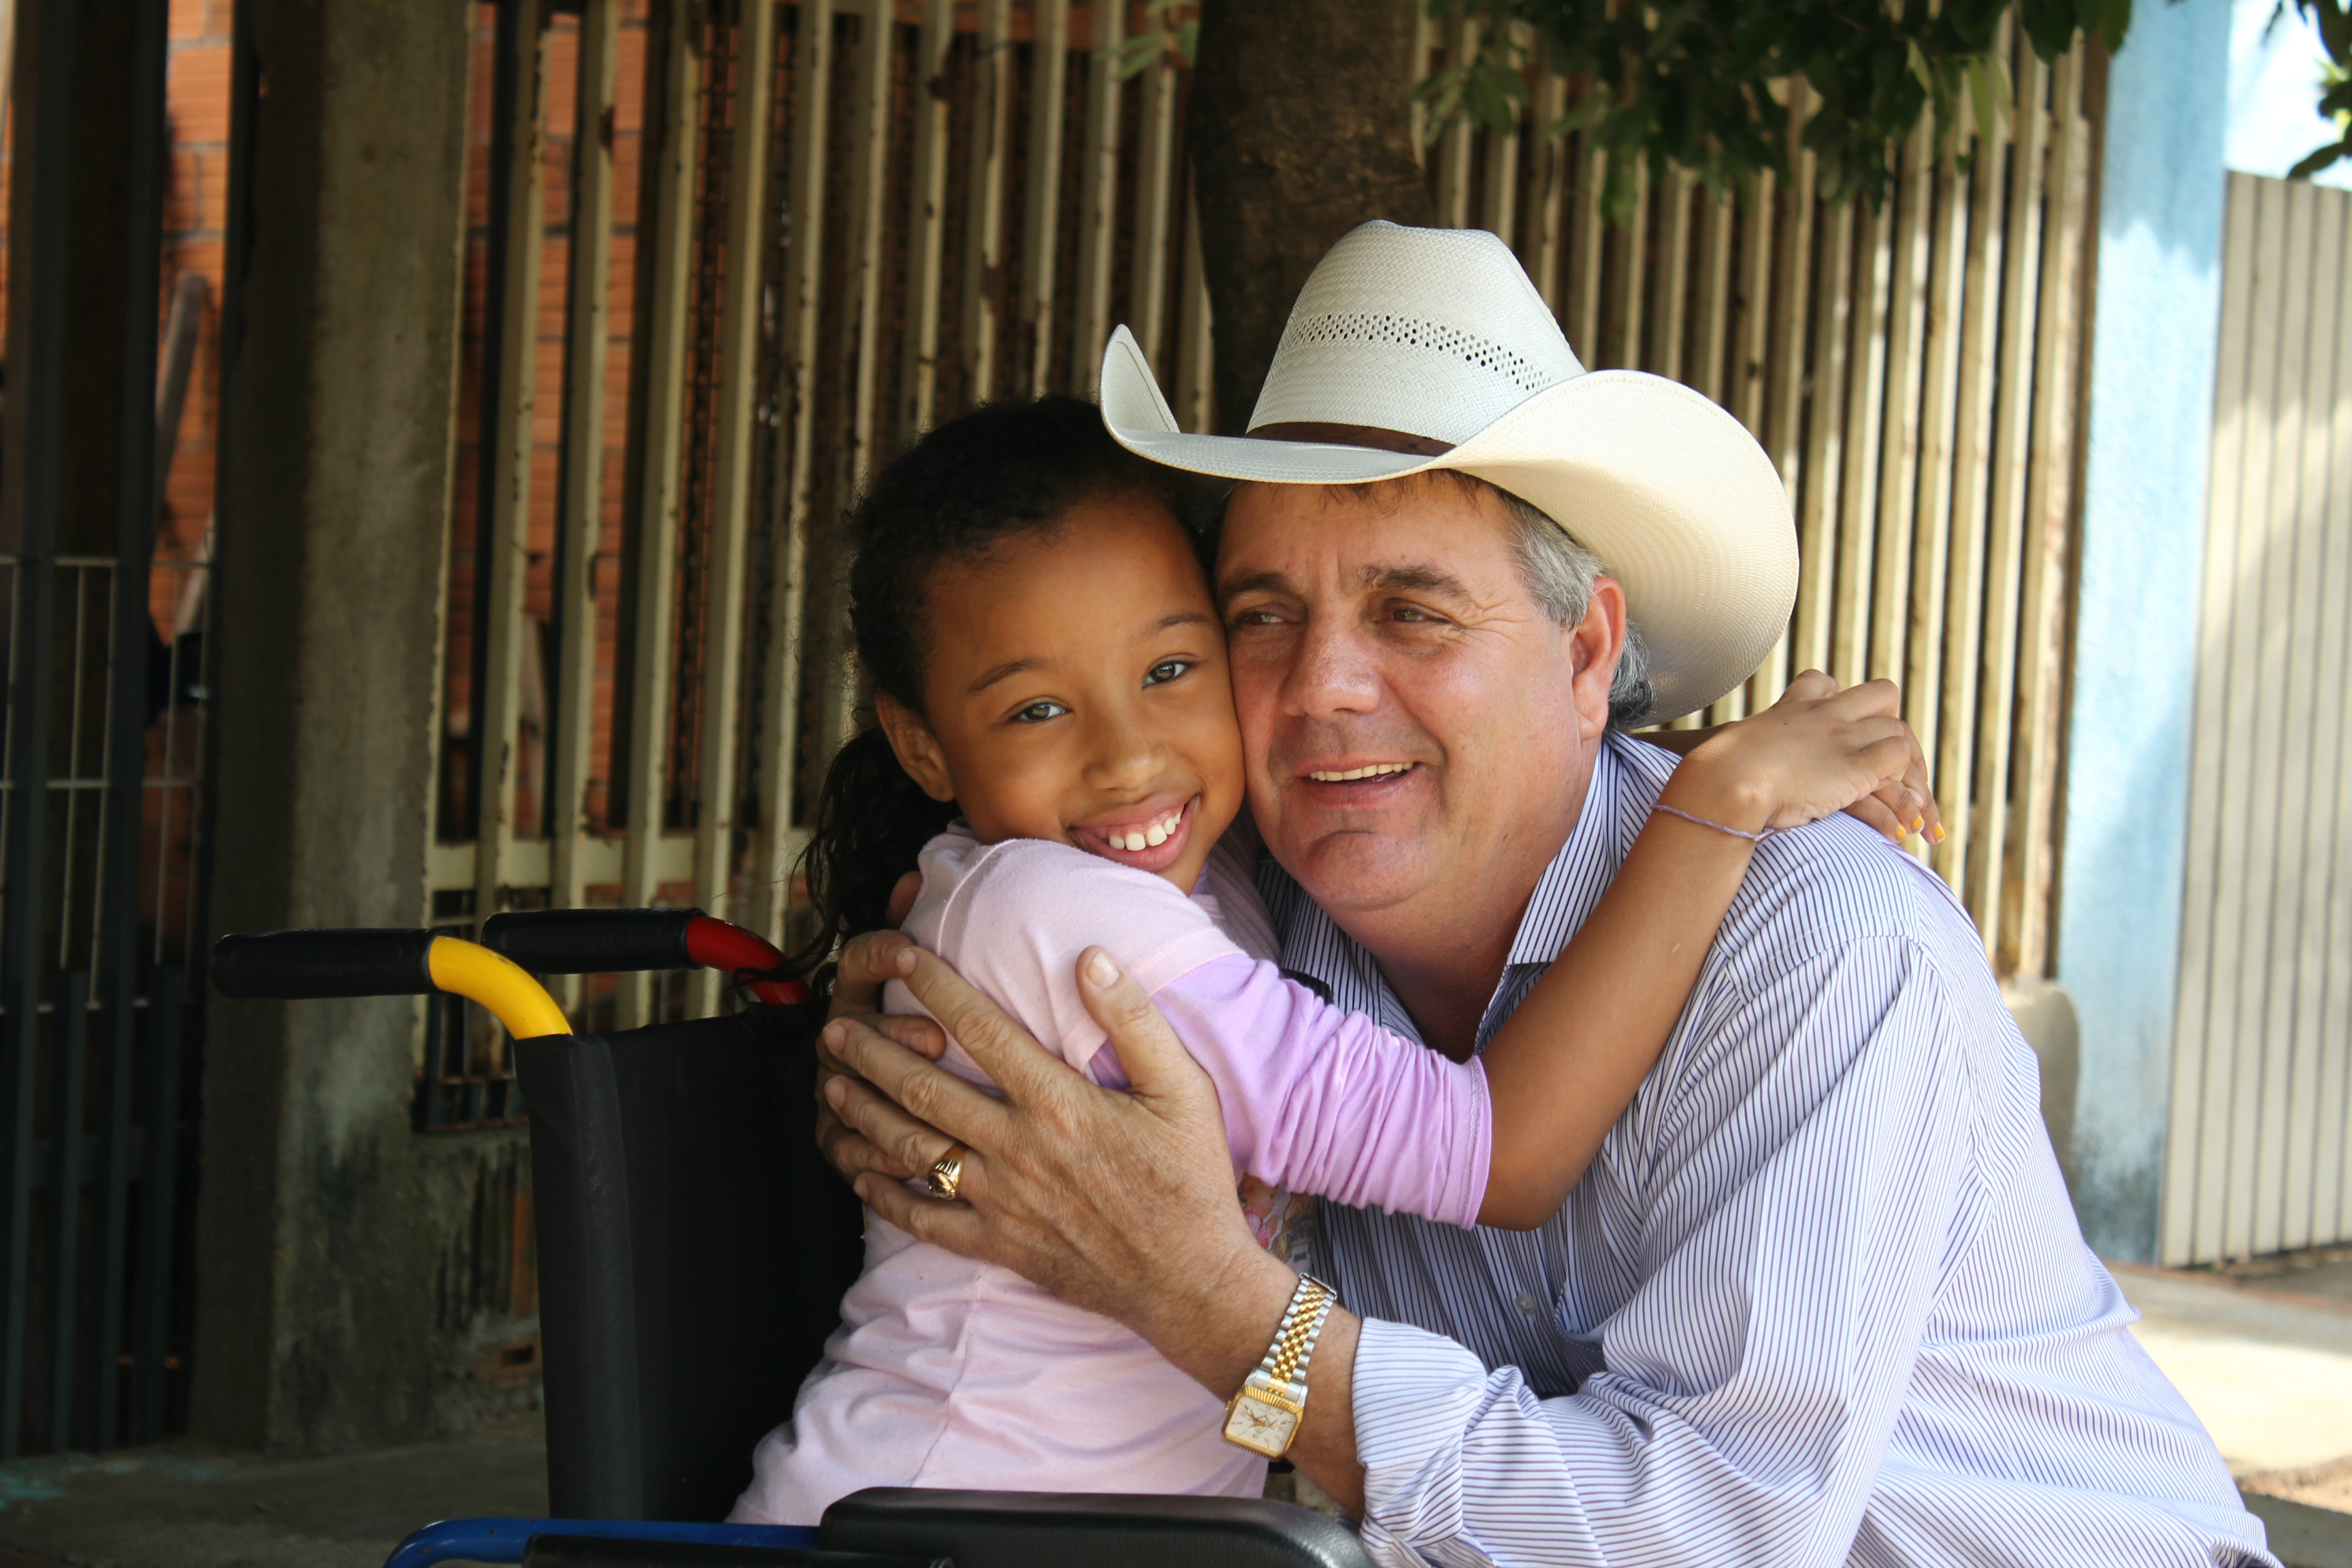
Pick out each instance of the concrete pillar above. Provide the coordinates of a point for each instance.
(336, 1247)
(2151, 428)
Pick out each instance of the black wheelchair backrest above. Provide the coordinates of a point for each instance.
(693, 1250)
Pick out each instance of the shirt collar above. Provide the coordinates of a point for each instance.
(1626, 777)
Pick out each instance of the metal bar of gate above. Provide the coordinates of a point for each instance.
(731, 491)
(927, 201)
(1824, 460)
(1097, 198)
(1939, 411)
(1751, 338)
(1858, 492)
(984, 261)
(1955, 750)
(1049, 65)
(581, 523)
(654, 579)
(804, 277)
(69, 1085)
(2046, 491)
(159, 1123)
(519, 212)
(2005, 551)
(1783, 431)
(1155, 178)
(1898, 454)
(139, 475)
(42, 158)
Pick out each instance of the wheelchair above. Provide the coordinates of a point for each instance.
(693, 1249)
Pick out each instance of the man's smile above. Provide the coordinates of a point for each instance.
(1361, 770)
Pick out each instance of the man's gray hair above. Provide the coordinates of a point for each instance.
(1560, 573)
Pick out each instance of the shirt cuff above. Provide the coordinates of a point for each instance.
(1417, 1394)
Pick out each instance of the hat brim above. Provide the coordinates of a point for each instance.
(1666, 487)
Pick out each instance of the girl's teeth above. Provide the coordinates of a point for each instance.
(1151, 836)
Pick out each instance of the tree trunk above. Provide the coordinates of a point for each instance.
(1301, 129)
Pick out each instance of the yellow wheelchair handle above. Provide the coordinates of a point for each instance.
(468, 969)
(291, 964)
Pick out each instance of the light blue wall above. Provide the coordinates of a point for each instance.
(2159, 270)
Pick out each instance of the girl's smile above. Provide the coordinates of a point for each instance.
(1151, 841)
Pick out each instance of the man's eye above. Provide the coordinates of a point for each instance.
(1412, 612)
(1256, 618)
(1038, 712)
(1166, 670)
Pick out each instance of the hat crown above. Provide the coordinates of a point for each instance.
(1435, 332)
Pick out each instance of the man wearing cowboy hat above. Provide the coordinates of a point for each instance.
(1822, 1297)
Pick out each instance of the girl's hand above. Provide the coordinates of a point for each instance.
(1816, 751)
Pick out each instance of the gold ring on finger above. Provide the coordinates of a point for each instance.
(946, 1176)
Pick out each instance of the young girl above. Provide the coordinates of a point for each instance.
(1057, 752)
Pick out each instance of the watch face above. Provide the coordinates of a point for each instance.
(1261, 1425)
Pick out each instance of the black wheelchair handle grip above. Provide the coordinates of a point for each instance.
(292, 965)
(591, 941)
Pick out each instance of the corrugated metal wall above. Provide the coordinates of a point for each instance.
(2260, 1093)
(691, 345)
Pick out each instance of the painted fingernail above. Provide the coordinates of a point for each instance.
(836, 1093)
(1938, 834)
(1919, 822)
(1101, 970)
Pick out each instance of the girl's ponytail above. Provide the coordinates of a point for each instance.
(872, 822)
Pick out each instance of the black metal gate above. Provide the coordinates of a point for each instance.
(105, 749)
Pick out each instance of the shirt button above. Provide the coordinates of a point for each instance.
(1528, 1304)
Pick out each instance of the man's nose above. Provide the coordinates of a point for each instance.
(1333, 671)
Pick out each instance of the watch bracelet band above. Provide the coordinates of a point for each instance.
(1302, 1325)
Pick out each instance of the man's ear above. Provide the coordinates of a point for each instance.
(1595, 644)
(917, 748)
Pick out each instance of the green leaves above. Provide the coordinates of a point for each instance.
(1704, 83)
(1491, 87)
(1172, 34)
(2335, 22)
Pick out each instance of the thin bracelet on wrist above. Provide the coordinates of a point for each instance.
(1719, 827)
(1736, 833)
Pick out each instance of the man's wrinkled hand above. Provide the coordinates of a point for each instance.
(1119, 1202)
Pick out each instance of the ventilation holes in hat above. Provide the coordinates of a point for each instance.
(1432, 337)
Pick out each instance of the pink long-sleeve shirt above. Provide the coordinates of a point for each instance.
(948, 1373)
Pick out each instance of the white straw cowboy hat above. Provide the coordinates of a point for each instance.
(1413, 348)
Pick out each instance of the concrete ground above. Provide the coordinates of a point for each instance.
(2263, 1352)
(184, 1506)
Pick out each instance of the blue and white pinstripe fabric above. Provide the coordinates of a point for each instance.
(1821, 1297)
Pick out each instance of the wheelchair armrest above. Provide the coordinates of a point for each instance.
(1087, 1530)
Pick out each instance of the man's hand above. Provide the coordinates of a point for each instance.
(1121, 1202)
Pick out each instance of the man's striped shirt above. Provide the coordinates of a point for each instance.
(1822, 1297)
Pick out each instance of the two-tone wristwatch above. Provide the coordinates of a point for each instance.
(1263, 1416)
